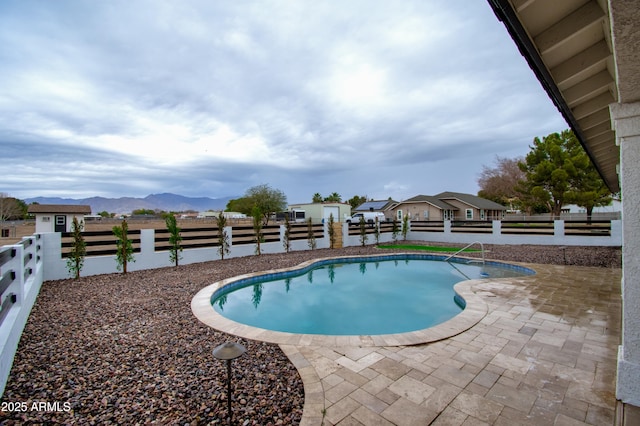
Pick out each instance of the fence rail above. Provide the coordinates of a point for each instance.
(427, 225)
(99, 243)
(103, 243)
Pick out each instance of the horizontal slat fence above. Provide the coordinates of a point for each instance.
(387, 227)
(426, 225)
(99, 243)
(191, 238)
(300, 231)
(595, 228)
(472, 227)
(245, 234)
(527, 228)
(354, 228)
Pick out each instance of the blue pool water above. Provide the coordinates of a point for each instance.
(390, 294)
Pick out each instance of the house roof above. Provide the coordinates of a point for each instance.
(59, 208)
(472, 200)
(375, 205)
(585, 55)
(431, 200)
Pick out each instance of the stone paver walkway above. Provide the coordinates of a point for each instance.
(543, 353)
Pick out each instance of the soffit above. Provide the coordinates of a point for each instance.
(586, 57)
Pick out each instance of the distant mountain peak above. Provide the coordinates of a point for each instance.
(125, 205)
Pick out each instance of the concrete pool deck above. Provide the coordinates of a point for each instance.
(542, 351)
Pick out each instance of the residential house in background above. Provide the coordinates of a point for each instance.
(423, 207)
(57, 217)
(473, 207)
(381, 206)
(321, 211)
(448, 206)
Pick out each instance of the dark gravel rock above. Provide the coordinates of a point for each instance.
(126, 349)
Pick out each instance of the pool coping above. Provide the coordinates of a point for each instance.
(474, 311)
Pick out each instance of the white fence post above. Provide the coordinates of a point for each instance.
(496, 228)
(447, 228)
(558, 228)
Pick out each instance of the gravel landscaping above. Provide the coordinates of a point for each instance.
(126, 349)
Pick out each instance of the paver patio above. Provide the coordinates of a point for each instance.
(544, 354)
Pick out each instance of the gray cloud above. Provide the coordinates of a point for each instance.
(209, 98)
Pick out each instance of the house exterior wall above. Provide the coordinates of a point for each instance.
(416, 211)
(45, 222)
(461, 213)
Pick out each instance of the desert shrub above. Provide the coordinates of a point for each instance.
(405, 227)
(311, 238)
(363, 231)
(124, 247)
(174, 239)
(332, 232)
(75, 261)
(286, 241)
(223, 237)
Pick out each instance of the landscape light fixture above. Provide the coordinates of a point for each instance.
(229, 351)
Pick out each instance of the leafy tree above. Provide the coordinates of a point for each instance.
(268, 200)
(124, 246)
(311, 237)
(105, 214)
(555, 168)
(144, 212)
(174, 239)
(334, 198)
(500, 183)
(317, 198)
(11, 208)
(257, 227)
(223, 237)
(588, 188)
(241, 205)
(363, 231)
(75, 261)
(357, 200)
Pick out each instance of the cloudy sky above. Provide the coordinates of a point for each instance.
(209, 98)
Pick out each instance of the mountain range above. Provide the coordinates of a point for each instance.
(125, 205)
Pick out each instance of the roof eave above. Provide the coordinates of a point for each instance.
(505, 13)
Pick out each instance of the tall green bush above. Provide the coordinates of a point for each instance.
(395, 230)
(332, 232)
(124, 247)
(75, 261)
(223, 237)
(311, 237)
(405, 226)
(363, 231)
(174, 239)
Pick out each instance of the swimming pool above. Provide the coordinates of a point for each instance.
(355, 296)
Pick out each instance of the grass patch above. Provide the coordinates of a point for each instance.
(425, 248)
